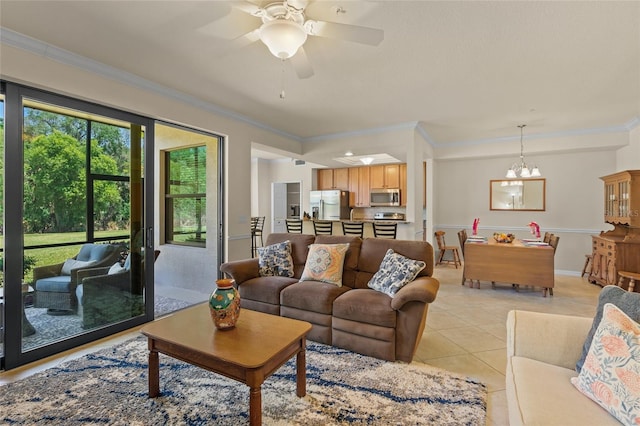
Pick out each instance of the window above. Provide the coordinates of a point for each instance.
(185, 198)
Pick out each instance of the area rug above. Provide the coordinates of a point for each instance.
(109, 387)
(50, 328)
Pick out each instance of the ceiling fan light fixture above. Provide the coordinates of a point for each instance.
(283, 37)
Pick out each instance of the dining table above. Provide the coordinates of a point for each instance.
(520, 262)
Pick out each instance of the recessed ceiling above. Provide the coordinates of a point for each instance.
(356, 160)
(465, 70)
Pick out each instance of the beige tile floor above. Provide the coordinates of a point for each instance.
(465, 330)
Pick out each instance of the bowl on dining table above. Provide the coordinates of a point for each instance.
(503, 238)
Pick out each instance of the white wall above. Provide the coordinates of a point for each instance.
(574, 208)
(44, 72)
(460, 186)
(628, 158)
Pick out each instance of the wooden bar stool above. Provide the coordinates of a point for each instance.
(587, 261)
(631, 276)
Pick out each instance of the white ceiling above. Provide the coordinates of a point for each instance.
(464, 70)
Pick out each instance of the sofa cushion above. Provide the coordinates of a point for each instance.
(365, 306)
(351, 259)
(265, 289)
(374, 250)
(85, 252)
(325, 263)
(395, 272)
(542, 394)
(70, 264)
(628, 302)
(275, 260)
(100, 251)
(311, 296)
(299, 248)
(610, 375)
(59, 284)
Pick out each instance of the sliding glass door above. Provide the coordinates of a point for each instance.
(78, 246)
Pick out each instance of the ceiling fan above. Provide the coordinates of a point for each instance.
(284, 31)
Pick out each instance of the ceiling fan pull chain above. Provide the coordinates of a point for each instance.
(282, 93)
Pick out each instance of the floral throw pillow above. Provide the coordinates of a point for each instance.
(275, 260)
(325, 263)
(611, 372)
(395, 272)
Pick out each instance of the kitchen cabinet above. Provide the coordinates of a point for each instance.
(385, 176)
(359, 186)
(333, 179)
(403, 185)
(618, 249)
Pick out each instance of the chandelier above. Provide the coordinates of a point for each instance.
(520, 169)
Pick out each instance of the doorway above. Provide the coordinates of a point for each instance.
(286, 203)
(77, 248)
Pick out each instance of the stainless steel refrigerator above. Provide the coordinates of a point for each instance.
(329, 205)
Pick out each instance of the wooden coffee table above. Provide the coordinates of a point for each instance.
(249, 353)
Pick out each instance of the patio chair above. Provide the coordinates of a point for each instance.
(105, 295)
(55, 285)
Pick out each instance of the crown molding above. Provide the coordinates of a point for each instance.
(37, 47)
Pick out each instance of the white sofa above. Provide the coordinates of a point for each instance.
(542, 351)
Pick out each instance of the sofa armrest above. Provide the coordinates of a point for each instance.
(92, 272)
(549, 338)
(422, 289)
(120, 281)
(241, 270)
(47, 271)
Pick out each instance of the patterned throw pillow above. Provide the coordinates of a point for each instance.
(325, 263)
(395, 272)
(611, 372)
(275, 260)
(628, 302)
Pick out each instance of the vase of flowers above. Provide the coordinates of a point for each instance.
(224, 304)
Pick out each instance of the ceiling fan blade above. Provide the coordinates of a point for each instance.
(245, 40)
(355, 33)
(301, 64)
(248, 7)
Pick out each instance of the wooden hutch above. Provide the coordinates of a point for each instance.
(618, 249)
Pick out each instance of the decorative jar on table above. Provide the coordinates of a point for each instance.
(224, 304)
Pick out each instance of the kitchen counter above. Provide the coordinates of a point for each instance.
(365, 220)
(406, 229)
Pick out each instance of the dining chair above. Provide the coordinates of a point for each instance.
(353, 228)
(385, 229)
(588, 260)
(324, 227)
(294, 226)
(443, 247)
(547, 235)
(462, 238)
(553, 242)
(257, 224)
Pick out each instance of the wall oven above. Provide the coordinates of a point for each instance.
(383, 197)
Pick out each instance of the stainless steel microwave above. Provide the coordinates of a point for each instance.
(381, 197)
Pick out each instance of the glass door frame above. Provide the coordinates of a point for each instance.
(13, 228)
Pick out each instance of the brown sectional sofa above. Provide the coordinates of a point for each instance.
(353, 316)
